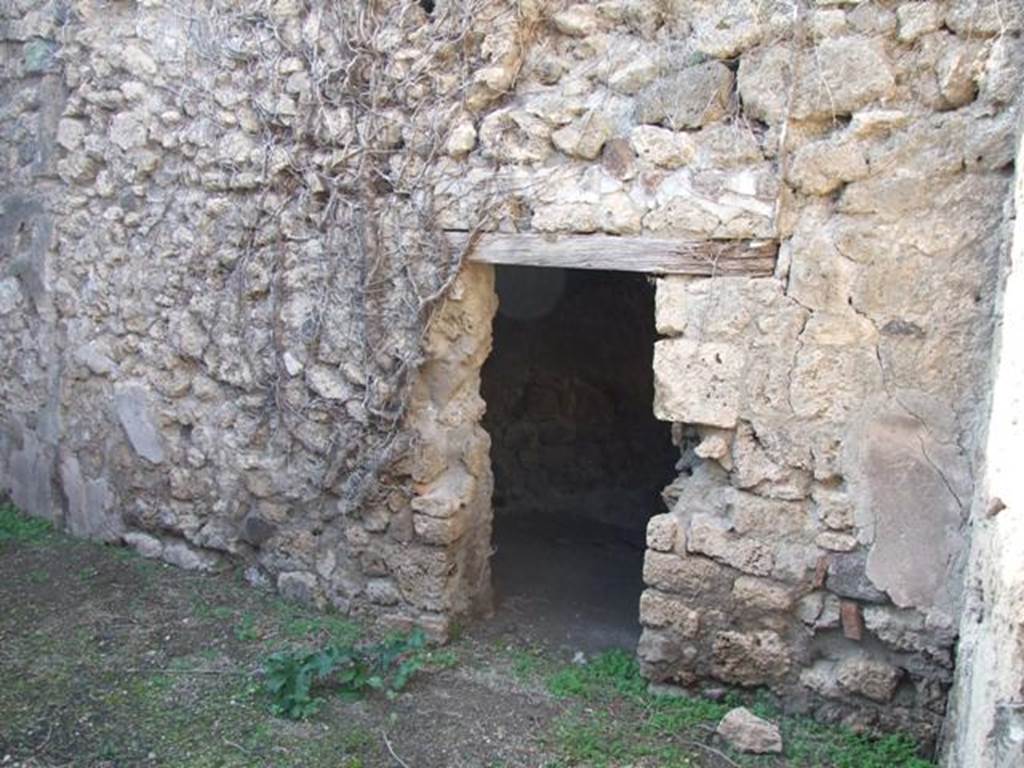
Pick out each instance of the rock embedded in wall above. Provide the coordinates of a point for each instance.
(697, 383)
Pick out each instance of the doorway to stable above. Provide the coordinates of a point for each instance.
(579, 460)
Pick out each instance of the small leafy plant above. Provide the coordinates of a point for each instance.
(290, 677)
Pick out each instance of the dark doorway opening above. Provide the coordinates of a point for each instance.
(579, 460)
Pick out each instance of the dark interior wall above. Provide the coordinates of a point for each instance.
(569, 392)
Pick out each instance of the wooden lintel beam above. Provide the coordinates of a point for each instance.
(659, 256)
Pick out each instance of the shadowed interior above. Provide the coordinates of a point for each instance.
(579, 459)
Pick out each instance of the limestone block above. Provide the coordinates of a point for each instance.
(727, 145)
(834, 508)
(697, 383)
(821, 678)
(662, 147)
(868, 677)
(809, 607)
(297, 585)
(683, 215)
(763, 83)
(757, 516)
(439, 531)
(658, 648)
(841, 76)
(839, 329)
(148, 546)
(577, 20)
(618, 214)
(917, 19)
(128, 130)
(584, 137)
(686, 575)
(328, 382)
(766, 469)
(829, 22)
(131, 404)
(751, 658)
(836, 542)
(714, 537)
(661, 610)
(663, 534)
(761, 594)
(71, 133)
(715, 444)
(633, 74)
(235, 147)
(909, 630)
(829, 616)
(461, 139)
(830, 382)
(956, 72)
(566, 217)
(694, 97)
(183, 556)
(822, 167)
(515, 136)
(716, 310)
(382, 592)
(873, 20)
(78, 167)
(93, 356)
(844, 75)
(728, 32)
(874, 122)
(746, 732)
(972, 18)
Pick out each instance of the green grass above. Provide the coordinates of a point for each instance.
(246, 630)
(810, 743)
(612, 672)
(612, 719)
(17, 527)
(298, 624)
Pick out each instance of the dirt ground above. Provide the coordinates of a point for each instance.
(107, 659)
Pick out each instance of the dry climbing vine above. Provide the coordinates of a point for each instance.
(353, 104)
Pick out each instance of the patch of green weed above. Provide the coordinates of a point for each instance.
(303, 626)
(289, 677)
(246, 630)
(17, 527)
(526, 662)
(811, 743)
(612, 672)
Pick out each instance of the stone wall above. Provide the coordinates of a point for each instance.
(987, 706)
(199, 356)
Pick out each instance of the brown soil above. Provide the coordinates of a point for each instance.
(110, 660)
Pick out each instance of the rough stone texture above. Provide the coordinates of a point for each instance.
(689, 99)
(696, 383)
(873, 679)
(986, 723)
(746, 732)
(189, 351)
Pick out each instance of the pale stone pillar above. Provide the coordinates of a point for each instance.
(986, 721)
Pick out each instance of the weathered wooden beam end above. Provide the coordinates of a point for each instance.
(659, 256)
